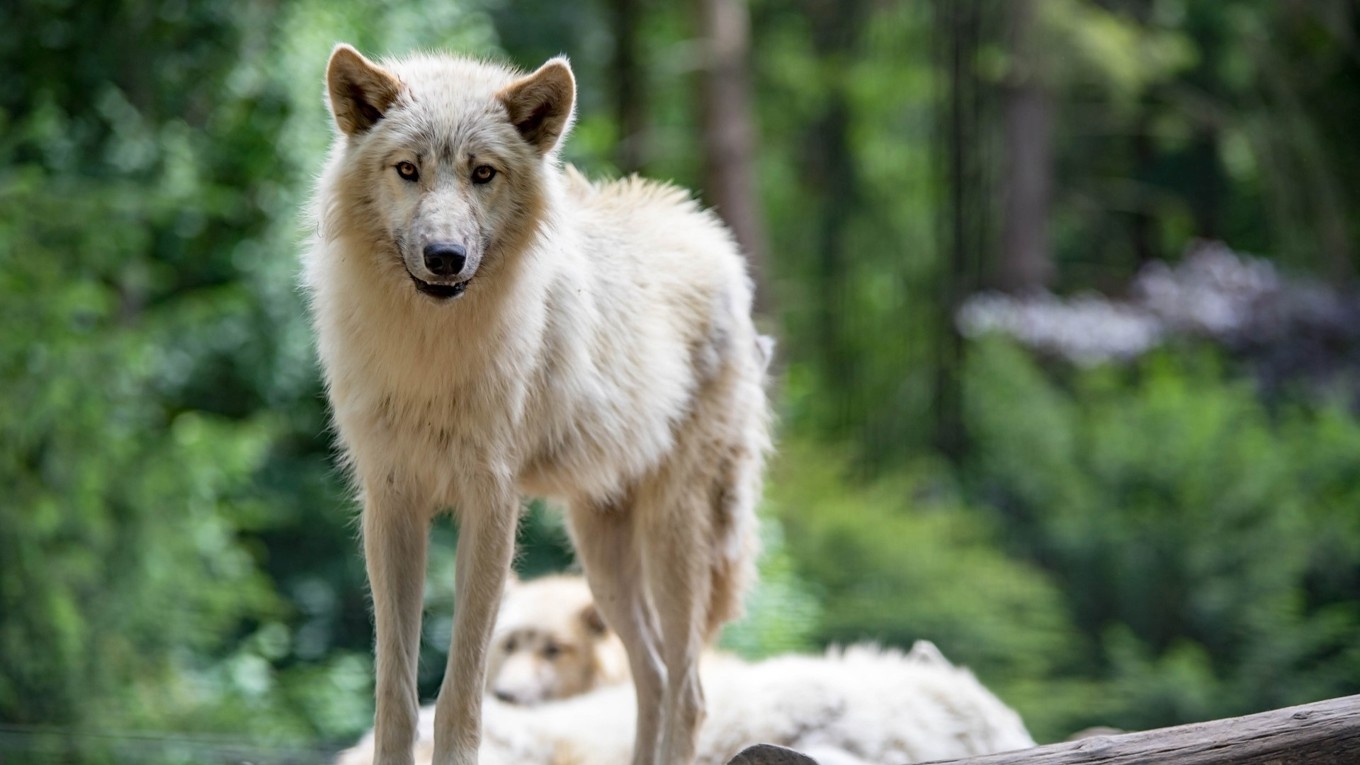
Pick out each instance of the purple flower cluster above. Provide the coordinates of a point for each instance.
(1286, 327)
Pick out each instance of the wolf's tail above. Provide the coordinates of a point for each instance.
(736, 495)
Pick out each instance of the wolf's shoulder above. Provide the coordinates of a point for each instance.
(630, 194)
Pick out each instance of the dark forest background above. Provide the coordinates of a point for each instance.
(1068, 371)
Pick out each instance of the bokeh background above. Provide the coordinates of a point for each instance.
(1068, 371)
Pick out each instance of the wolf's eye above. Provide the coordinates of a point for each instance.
(483, 173)
(408, 171)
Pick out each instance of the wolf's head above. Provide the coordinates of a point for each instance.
(551, 643)
(443, 160)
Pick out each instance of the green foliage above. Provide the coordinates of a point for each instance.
(121, 535)
(1109, 51)
(1135, 547)
(903, 558)
(176, 550)
(852, 226)
(1185, 521)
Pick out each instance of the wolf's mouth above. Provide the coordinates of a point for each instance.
(439, 291)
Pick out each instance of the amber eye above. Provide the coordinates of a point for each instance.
(408, 171)
(483, 173)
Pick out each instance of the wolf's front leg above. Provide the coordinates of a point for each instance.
(486, 541)
(396, 532)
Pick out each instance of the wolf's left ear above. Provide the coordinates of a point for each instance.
(360, 90)
(593, 621)
(542, 105)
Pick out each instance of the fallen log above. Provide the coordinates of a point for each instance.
(1321, 733)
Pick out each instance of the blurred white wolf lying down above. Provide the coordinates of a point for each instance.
(852, 707)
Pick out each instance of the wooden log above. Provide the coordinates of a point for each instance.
(1321, 733)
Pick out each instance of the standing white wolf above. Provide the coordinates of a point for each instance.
(492, 325)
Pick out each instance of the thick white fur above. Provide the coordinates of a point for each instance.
(602, 354)
(853, 707)
(551, 643)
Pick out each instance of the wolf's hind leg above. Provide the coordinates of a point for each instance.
(677, 552)
(605, 537)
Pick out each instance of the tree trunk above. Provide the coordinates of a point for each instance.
(1144, 224)
(962, 235)
(1027, 183)
(729, 131)
(829, 175)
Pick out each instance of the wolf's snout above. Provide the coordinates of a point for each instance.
(445, 258)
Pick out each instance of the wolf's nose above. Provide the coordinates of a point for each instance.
(444, 258)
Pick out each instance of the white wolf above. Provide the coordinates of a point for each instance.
(854, 707)
(491, 325)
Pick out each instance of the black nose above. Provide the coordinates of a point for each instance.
(445, 258)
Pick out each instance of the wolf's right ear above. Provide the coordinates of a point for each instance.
(360, 91)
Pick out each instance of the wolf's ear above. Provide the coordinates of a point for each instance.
(594, 622)
(542, 105)
(360, 90)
